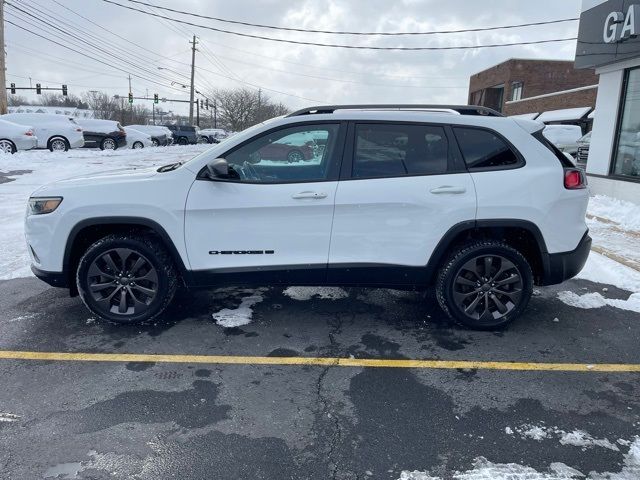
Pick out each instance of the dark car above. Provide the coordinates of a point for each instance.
(160, 136)
(185, 134)
(297, 147)
(103, 134)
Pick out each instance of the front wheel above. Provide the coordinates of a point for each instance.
(484, 285)
(183, 141)
(7, 146)
(137, 145)
(126, 279)
(58, 145)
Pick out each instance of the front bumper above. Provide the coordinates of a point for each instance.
(55, 279)
(559, 267)
(77, 142)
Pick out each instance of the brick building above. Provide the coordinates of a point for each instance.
(519, 86)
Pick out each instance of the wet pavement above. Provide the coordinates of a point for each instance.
(99, 420)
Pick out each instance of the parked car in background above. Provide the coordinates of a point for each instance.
(104, 134)
(583, 150)
(213, 135)
(137, 139)
(185, 134)
(297, 147)
(55, 132)
(14, 137)
(160, 135)
(565, 137)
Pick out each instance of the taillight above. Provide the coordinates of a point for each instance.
(29, 133)
(574, 179)
(78, 129)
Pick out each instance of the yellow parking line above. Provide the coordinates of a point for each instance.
(319, 361)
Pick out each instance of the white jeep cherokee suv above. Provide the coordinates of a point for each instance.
(397, 196)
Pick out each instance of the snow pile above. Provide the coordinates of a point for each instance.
(236, 317)
(577, 438)
(307, 293)
(596, 300)
(483, 469)
(626, 214)
(580, 438)
(9, 417)
(601, 269)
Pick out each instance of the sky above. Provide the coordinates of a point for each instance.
(296, 75)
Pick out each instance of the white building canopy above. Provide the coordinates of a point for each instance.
(564, 115)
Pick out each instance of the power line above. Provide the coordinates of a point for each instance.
(334, 32)
(334, 45)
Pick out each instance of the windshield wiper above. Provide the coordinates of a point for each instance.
(170, 167)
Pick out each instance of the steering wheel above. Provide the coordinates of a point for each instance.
(250, 172)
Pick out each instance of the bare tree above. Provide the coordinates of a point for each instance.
(17, 100)
(109, 108)
(242, 107)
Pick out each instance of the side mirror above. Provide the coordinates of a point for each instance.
(218, 168)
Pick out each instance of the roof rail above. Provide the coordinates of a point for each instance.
(461, 109)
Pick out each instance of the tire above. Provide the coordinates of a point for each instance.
(154, 142)
(295, 156)
(183, 141)
(7, 146)
(100, 284)
(137, 145)
(108, 144)
(58, 144)
(484, 302)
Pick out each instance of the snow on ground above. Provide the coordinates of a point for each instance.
(48, 167)
(236, 317)
(484, 469)
(307, 293)
(601, 269)
(578, 438)
(626, 214)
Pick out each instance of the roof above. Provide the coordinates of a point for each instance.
(564, 115)
(69, 111)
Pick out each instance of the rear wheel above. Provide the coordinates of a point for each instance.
(108, 144)
(154, 142)
(183, 141)
(138, 145)
(7, 146)
(484, 285)
(126, 279)
(295, 156)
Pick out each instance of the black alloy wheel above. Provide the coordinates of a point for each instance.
(485, 285)
(126, 279)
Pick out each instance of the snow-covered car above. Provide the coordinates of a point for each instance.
(407, 198)
(55, 132)
(160, 135)
(103, 134)
(583, 150)
(213, 135)
(14, 137)
(565, 137)
(137, 139)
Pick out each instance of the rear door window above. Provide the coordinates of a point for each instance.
(485, 150)
(396, 150)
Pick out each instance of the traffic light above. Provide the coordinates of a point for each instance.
(64, 90)
(13, 88)
(155, 98)
(38, 88)
(206, 104)
(201, 103)
(130, 97)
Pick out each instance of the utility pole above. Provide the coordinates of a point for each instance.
(3, 79)
(215, 113)
(193, 71)
(131, 104)
(197, 113)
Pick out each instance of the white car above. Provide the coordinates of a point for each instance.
(55, 132)
(14, 137)
(565, 137)
(160, 135)
(137, 139)
(401, 197)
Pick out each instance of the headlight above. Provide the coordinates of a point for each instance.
(42, 205)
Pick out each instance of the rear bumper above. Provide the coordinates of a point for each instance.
(559, 267)
(55, 279)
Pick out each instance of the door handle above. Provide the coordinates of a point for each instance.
(316, 195)
(448, 189)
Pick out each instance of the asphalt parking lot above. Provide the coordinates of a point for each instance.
(181, 419)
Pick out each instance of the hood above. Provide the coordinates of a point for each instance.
(120, 176)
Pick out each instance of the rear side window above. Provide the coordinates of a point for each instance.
(483, 149)
(396, 150)
(566, 163)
